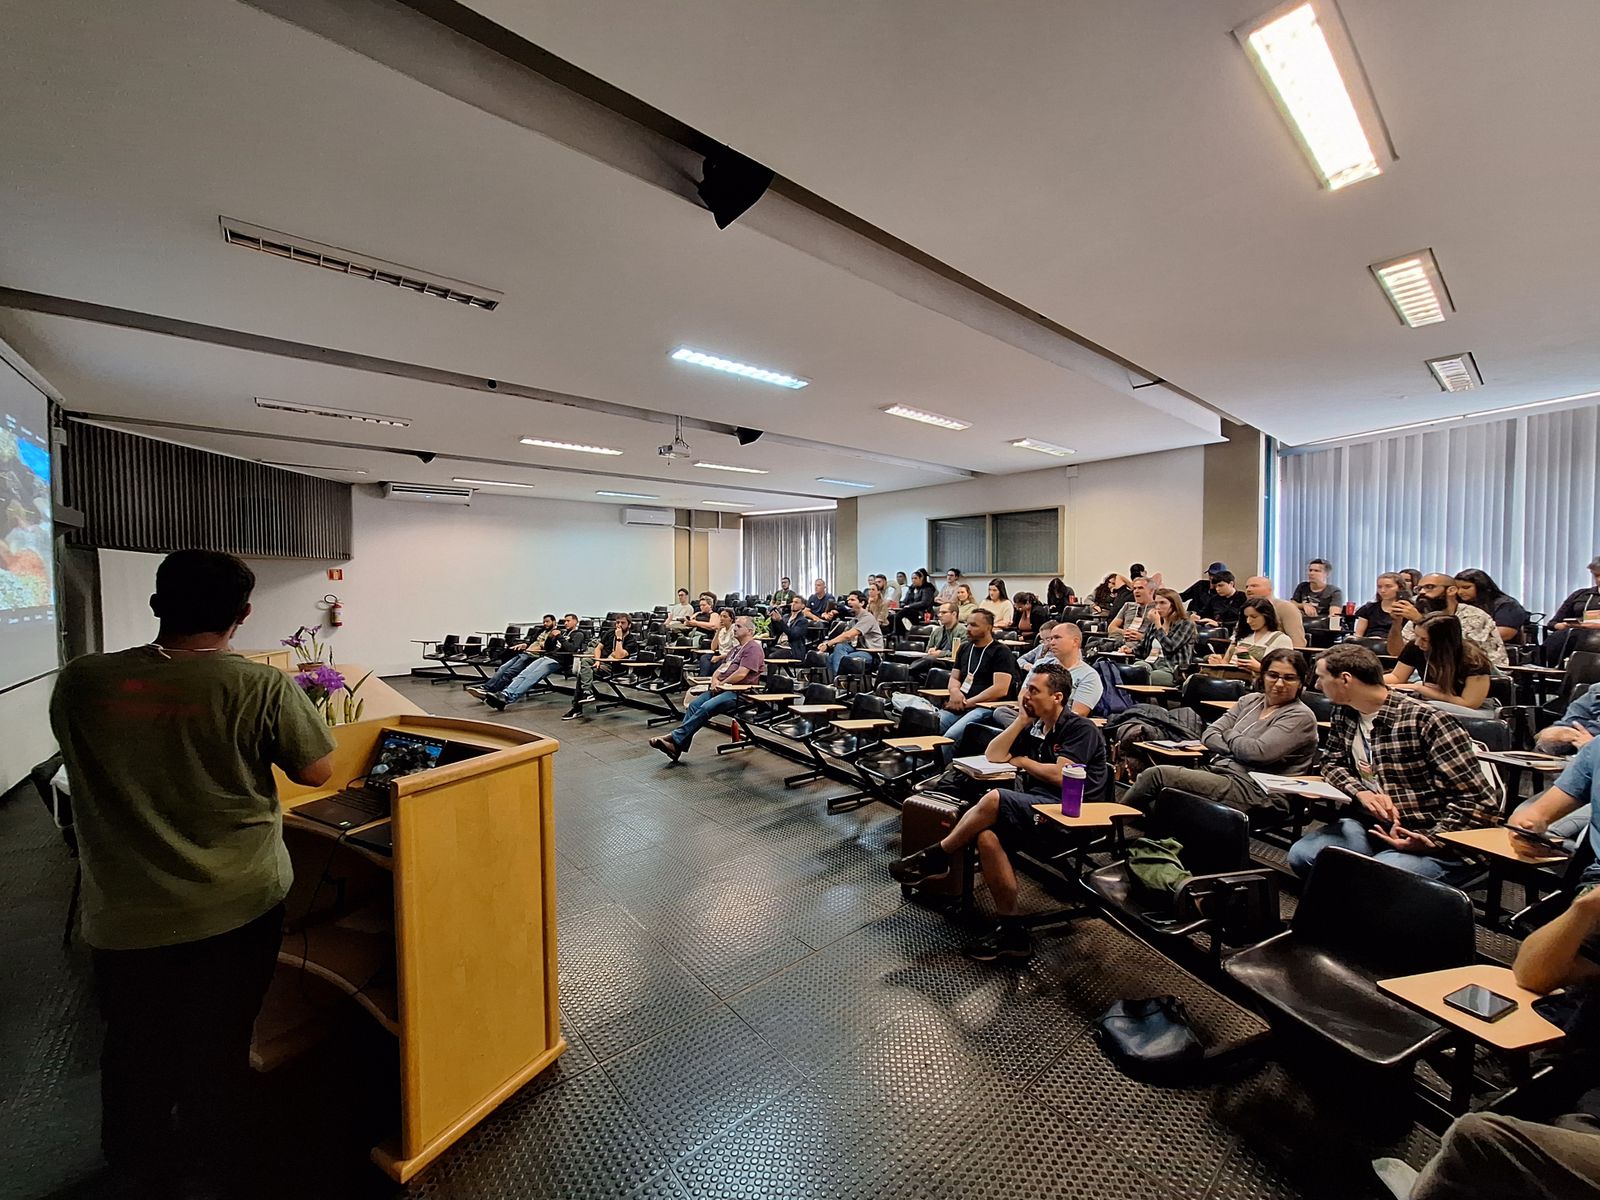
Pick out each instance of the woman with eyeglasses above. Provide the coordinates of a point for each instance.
(1270, 729)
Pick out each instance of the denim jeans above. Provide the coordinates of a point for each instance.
(526, 680)
(700, 711)
(508, 671)
(841, 652)
(1353, 836)
(953, 724)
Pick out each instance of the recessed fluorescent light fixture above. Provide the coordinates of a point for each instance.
(629, 495)
(927, 418)
(1304, 55)
(728, 366)
(289, 466)
(492, 483)
(342, 414)
(549, 445)
(773, 512)
(1456, 372)
(725, 503)
(845, 482)
(725, 467)
(1415, 287)
(1043, 447)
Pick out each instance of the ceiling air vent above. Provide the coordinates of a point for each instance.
(427, 493)
(363, 266)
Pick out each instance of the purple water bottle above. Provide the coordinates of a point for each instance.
(1072, 777)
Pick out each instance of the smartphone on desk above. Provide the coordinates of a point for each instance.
(1478, 1001)
(1549, 841)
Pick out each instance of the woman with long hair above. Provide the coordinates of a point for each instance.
(1112, 593)
(1264, 637)
(1168, 639)
(999, 605)
(878, 605)
(1451, 673)
(1058, 595)
(1475, 587)
(916, 605)
(1373, 618)
(964, 602)
(1027, 614)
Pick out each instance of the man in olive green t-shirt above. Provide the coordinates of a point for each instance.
(169, 751)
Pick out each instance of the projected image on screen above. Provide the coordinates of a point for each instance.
(26, 586)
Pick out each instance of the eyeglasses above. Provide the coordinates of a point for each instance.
(1282, 678)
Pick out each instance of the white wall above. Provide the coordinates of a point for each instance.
(724, 561)
(421, 571)
(25, 717)
(1146, 508)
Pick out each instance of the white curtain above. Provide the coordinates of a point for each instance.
(799, 545)
(1517, 498)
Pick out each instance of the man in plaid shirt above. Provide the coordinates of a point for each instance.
(1409, 768)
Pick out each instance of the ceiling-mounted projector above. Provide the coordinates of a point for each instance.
(677, 447)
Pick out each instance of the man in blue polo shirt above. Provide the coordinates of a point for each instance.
(1578, 785)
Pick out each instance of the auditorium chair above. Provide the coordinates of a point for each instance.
(1208, 687)
(890, 773)
(891, 677)
(1583, 669)
(1359, 921)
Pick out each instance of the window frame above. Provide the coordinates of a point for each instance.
(990, 551)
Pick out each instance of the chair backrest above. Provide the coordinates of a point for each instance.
(1320, 706)
(1488, 729)
(938, 677)
(819, 693)
(779, 683)
(892, 672)
(1583, 669)
(1208, 687)
(974, 739)
(497, 645)
(920, 722)
(1583, 641)
(1387, 920)
(671, 669)
(864, 706)
(451, 643)
(1134, 672)
(513, 633)
(1502, 689)
(1215, 837)
(472, 645)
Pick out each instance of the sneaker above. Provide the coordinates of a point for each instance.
(1008, 941)
(921, 867)
(572, 714)
(667, 746)
(479, 691)
(495, 701)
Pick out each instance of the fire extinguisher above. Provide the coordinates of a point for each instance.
(335, 610)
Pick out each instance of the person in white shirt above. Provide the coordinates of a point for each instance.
(678, 614)
(1261, 617)
(1060, 642)
(897, 589)
(863, 634)
(952, 580)
(999, 605)
(1437, 592)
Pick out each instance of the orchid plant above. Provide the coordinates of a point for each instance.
(335, 698)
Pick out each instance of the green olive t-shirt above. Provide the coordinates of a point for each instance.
(169, 761)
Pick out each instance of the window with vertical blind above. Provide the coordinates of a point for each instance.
(1016, 543)
(799, 545)
(1518, 498)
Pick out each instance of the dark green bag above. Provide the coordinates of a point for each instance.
(1155, 868)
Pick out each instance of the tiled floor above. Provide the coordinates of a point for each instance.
(752, 1011)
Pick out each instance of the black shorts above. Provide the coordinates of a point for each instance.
(1017, 824)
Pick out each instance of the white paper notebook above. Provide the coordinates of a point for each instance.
(1297, 787)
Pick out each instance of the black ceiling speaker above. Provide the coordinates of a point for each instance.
(732, 183)
(746, 436)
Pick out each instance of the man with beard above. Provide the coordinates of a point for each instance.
(1437, 593)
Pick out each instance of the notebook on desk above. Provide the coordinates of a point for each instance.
(368, 798)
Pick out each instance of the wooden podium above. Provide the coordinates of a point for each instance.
(450, 943)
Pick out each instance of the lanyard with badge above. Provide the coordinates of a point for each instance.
(969, 676)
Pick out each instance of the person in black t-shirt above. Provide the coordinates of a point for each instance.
(1221, 605)
(1373, 618)
(985, 674)
(1046, 736)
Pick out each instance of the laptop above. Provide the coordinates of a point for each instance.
(369, 796)
(377, 838)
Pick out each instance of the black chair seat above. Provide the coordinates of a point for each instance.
(1335, 1000)
(1113, 887)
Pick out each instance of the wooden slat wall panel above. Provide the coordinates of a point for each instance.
(138, 493)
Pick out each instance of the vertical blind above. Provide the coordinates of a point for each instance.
(799, 545)
(959, 542)
(1517, 498)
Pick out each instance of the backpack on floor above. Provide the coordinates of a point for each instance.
(1113, 699)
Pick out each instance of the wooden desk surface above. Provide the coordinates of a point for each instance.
(1096, 814)
(783, 662)
(1523, 1029)
(1497, 842)
(945, 692)
(810, 709)
(775, 697)
(1533, 669)
(926, 742)
(1149, 689)
(1542, 764)
(1169, 751)
(853, 724)
(1224, 705)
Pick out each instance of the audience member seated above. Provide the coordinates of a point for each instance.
(1262, 638)
(1167, 642)
(792, 628)
(965, 602)
(526, 671)
(1127, 627)
(1374, 618)
(896, 591)
(1438, 593)
(1574, 790)
(984, 675)
(1577, 725)
(721, 642)
(918, 603)
(999, 606)
(952, 580)
(1410, 771)
(878, 603)
(705, 619)
(821, 602)
(1582, 607)
(1489, 1154)
(863, 633)
(612, 648)
(1452, 674)
(1316, 597)
(1476, 588)
(1027, 615)
(1114, 591)
(779, 600)
(1058, 595)
(1270, 730)
(1291, 622)
(1137, 571)
(1220, 606)
(1196, 591)
(947, 638)
(1045, 736)
(1061, 643)
(523, 653)
(1411, 577)
(680, 612)
(743, 665)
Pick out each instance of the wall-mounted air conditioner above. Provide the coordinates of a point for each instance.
(428, 493)
(647, 516)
